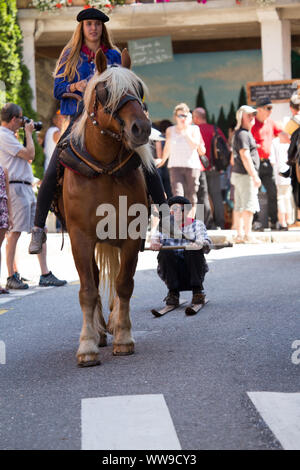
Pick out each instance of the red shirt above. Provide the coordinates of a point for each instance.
(207, 132)
(264, 133)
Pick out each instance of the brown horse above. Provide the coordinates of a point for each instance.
(111, 126)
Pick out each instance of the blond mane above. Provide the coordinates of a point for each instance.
(119, 81)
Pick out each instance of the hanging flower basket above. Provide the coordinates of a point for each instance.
(55, 5)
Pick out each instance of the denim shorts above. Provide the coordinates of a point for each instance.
(245, 193)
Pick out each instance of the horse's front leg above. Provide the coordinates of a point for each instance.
(123, 343)
(83, 252)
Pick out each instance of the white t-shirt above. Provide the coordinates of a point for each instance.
(181, 153)
(18, 168)
(49, 145)
(278, 158)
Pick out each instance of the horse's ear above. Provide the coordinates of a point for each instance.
(101, 62)
(125, 59)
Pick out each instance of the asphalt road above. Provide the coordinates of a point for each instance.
(203, 366)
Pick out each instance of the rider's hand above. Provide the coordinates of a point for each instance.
(81, 86)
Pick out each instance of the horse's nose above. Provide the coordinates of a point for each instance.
(141, 130)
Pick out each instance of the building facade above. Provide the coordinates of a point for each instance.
(219, 38)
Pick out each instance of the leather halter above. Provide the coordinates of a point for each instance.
(114, 114)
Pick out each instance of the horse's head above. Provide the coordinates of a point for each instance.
(117, 103)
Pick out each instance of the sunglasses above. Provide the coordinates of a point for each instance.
(182, 116)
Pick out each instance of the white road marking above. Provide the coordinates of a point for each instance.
(129, 422)
(281, 412)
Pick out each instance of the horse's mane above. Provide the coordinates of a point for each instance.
(119, 81)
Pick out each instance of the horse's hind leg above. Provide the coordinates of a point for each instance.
(123, 343)
(99, 322)
(83, 252)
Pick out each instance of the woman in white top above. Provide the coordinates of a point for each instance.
(183, 142)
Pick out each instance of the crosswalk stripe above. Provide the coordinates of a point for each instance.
(139, 422)
(281, 412)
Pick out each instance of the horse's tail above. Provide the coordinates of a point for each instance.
(108, 260)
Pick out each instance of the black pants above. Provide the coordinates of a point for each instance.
(182, 270)
(267, 177)
(215, 193)
(203, 199)
(164, 174)
(48, 187)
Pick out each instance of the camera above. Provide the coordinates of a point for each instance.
(37, 125)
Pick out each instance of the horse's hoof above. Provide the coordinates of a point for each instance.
(123, 349)
(88, 360)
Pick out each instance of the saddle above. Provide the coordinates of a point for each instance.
(80, 161)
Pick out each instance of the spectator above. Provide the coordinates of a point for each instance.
(159, 145)
(203, 197)
(293, 129)
(181, 269)
(5, 211)
(244, 176)
(264, 130)
(278, 158)
(17, 158)
(52, 136)
(183, 142)
(212, 175)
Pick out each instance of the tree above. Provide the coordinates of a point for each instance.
(14, 75)
(242, 97)
(10, 36)
(200, 102)
(222, 122)
(231, 120)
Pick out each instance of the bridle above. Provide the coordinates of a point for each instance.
(115, 114)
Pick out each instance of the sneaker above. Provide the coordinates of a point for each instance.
(21, 277)
(172, 298)
(49, 279)
(38, 237)
(14, 282)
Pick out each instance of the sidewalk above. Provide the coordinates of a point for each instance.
(61, 262)
(227, 236)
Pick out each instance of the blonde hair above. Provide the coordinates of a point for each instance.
(181, 107)
(70, 55)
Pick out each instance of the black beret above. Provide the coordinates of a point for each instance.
(92, 14)
(178, 200)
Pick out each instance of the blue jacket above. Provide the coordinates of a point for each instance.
(86, 69)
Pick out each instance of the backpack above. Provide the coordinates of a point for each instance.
(220, 154)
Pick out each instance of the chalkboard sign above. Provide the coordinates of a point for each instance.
(278, 91)
(150, 50)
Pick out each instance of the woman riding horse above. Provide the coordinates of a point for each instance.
(75, 67)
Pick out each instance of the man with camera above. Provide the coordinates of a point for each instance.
(17, 159)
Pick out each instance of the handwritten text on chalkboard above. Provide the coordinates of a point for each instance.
(151, 50)
(278, 91)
